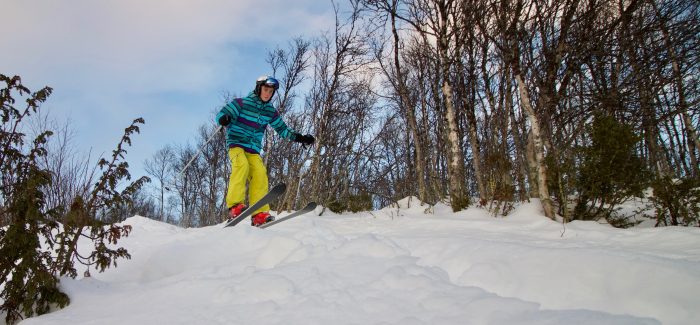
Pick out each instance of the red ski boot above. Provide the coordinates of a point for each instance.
(261, 218)
(235, 210)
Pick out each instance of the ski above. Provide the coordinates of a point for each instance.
(274, 193)
(308, 208)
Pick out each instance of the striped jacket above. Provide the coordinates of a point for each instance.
(249, 119)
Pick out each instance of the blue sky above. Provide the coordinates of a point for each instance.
(169, 62)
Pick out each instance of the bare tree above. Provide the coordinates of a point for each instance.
(160, 169)
(285, 161)
(214, 176)
(72, 174)
(398, 79)
(335, 60)
(671, 9)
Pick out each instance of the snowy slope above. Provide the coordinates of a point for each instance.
(395, 266)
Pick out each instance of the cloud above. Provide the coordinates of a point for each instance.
(144, 44)
(168, 61)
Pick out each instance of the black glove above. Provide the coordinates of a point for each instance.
(224, 120)
(304, 139)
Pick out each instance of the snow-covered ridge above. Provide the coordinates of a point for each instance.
(398, 265)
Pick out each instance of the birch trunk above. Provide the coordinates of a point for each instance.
(458, 197)
(692, 137)
(538, 147)
(420, 161)
(468, 104)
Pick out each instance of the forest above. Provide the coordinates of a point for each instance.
(583, 105)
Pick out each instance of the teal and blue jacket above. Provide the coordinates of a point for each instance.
(249, 119)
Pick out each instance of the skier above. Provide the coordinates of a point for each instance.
(245, 121)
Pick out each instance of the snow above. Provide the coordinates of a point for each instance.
(406, 264)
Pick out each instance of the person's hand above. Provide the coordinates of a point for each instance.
(224, 120)
(307, 139)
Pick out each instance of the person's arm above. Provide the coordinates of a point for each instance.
(281, 128)
(285, 132)
(228, 113)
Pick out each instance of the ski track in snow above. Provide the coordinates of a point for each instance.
(395, 266)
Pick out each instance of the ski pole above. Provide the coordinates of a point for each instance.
(200, 151)
(302, 173)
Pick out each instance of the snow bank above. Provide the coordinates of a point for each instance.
(395, 266)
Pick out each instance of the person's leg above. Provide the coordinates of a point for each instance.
(258, 180)
(239, 175)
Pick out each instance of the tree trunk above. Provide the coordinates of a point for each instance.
(468, 102)
(405, 103)
(538, 147)
(458, 197)
(692, 138)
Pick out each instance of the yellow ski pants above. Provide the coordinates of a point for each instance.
(246, 167)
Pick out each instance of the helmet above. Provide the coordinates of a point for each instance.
(267, 81)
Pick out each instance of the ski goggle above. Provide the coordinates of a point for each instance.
(268, 81)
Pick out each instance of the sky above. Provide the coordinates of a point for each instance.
(169, 62)
(399, 265)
